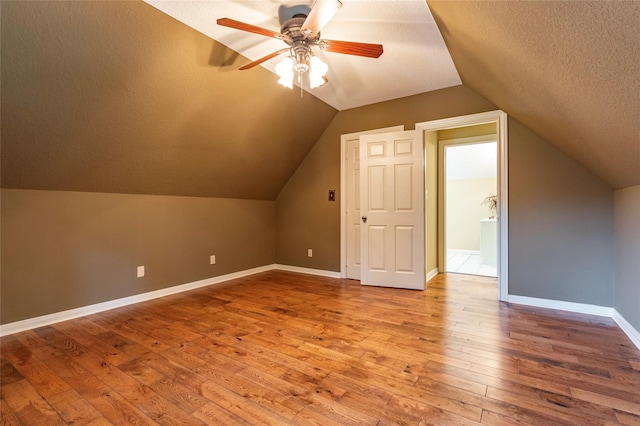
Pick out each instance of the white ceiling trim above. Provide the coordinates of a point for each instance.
(415, 58)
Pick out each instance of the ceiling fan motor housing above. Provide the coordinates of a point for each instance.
(301, 32)
(293, 29)
(300, 41)
(302, 53)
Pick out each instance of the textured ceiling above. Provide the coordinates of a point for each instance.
(415, 58)
(118, 97)
(568, 70)
(109, 96)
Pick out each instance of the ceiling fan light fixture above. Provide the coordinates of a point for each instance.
(292, 65)
(317, 72)
(284, 69)
(301, 32)
(318, 67)
(317, 81)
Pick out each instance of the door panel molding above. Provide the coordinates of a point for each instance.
(350, 230)
(392, 185)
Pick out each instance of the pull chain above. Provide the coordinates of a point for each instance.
(300, 82)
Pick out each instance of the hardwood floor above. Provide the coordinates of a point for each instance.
(283, 348)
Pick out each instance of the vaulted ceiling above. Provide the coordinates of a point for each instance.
(414, 51)
(119, 97)
(568, 70)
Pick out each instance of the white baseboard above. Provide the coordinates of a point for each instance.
(432, 273)
(298, 269)
(28, 324)
(628, 329)
(581, 308)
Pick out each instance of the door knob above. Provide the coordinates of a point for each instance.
(364, 219)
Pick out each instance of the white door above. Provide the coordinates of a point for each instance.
(353, 208)
(392, 208)
(351, 190)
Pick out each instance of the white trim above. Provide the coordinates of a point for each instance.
(461, 121)
(628, 329)
(343, 189)
(300, 270)
(580, 308)
(28, 324)
(432, 273)
(503, 206)
(501, 119)
(41, 321)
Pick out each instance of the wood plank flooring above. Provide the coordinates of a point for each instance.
(280, 348)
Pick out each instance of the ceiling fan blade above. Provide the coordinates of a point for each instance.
(265, 58)
(320, 15)
(232, 23)
(352, 48)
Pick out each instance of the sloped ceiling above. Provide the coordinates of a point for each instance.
(415, 58)
(119, 97)
(568, 70)
(108, 96)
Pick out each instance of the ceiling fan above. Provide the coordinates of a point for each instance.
(301, 32)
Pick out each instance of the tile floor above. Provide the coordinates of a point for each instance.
(469, 262)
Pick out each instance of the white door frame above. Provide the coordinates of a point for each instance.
(500, 118)
(343, 188)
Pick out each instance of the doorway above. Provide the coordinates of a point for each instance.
(469, 183)
(433, 237)
(500, 119)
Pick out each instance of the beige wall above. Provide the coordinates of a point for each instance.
(305, 218)
(560, 214)
(63, 250)
(67, 249)
(465, 209)
(627, 254)
(118, 97)
(560, 224)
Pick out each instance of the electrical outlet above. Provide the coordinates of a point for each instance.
(212, 259)
(309, 252)
(140, 272)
